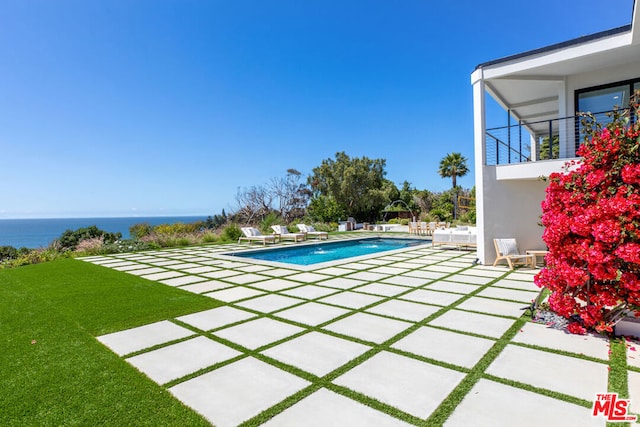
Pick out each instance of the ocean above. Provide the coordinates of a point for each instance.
(36, 233)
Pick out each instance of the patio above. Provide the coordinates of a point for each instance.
(418, 336)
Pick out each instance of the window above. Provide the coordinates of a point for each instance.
(603, 99)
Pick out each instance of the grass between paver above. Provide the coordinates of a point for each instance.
(52, 369)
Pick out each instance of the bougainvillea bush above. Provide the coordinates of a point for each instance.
(591, 216)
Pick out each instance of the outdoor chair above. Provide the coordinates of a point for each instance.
(252, 234)
(432, 227)
(282, 232)
(308, 230)
(413, 228)
(507, 249)
(423, 229)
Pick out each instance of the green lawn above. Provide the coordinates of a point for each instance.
(52, 369)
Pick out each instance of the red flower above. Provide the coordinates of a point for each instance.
(575, 328)
(591, 217)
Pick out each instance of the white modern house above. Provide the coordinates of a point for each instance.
(541, 92)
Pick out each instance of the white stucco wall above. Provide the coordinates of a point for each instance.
(510, 209)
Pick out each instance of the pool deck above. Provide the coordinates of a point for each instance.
(417, 336)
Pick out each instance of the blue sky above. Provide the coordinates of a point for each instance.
(159, 107)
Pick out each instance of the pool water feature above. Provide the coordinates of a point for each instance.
(333, 251)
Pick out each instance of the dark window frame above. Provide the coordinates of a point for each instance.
(578, 92)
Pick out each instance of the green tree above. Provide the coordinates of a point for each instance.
(442, 206)
(356, 184)
(452, 166)
(325, 209)
(544, 148)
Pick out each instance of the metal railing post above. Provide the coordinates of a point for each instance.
(509, 136)
(520, 138)
(550, 139)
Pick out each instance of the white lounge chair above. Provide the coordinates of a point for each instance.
(282, 232)
(252, 234)
(507, 249)
(308, 230)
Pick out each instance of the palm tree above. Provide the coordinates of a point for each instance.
(453, 165)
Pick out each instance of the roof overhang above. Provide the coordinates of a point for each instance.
(528, 84)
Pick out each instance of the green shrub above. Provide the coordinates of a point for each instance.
(138, 231)
(183, 241)
(70, 238)
(123, 246)
(91, 246)
(442, 214)
(178, 228)
(231, 233)
(401, 221)
(34, 256)
(270, 219)
(209, 237)
(8, 252)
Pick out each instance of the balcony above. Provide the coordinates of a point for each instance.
(526, 142)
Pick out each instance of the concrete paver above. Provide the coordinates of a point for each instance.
(237, 392)
(494, 404)
(215, 318)
(177, 360)
(381, 289)
(543, 336)
(368, 276)
(275, 284)
(326, 408)
(316, 352)
(368, 327)
(470, 279)
(634, 392)
(309, 291)
(432, 297)
(351, 299)
(312, 313)
(135, 339)
(257, 333)
(568, 375)
(493, 306)
(269, 303)
(404, 310)
(406, 281)
(341, 283)
(445, 346)
(407, 384)
(234, 294)
(481, 324)
(459, 288)
(183, 280)
(509, 294)
(208, 286)
(308, 277)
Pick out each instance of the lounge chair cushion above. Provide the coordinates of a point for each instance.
(507, 246)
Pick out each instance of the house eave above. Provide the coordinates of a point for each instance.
(558, 46)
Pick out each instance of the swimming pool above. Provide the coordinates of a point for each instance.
(323, 252)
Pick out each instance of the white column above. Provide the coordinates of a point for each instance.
(479, 130)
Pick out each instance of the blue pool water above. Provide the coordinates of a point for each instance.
(323, 252)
